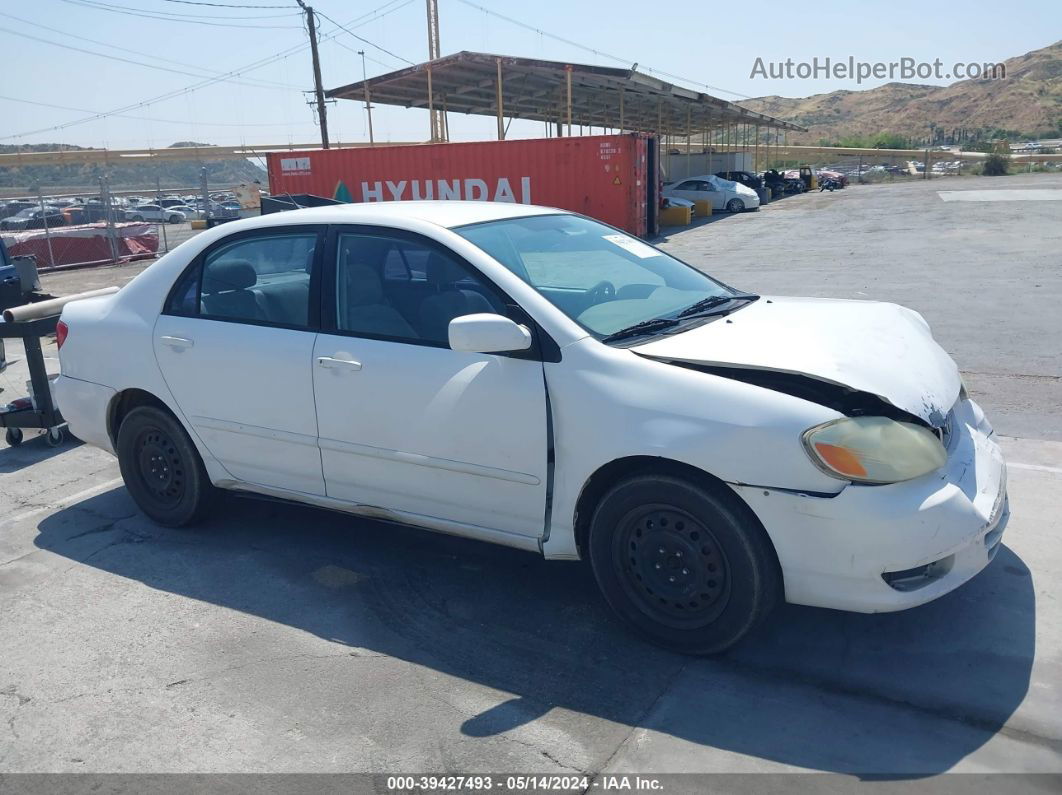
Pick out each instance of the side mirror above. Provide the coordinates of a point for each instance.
(487, 333)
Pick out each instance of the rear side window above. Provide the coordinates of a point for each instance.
(256, 280)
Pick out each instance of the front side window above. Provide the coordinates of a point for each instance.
(604, 279)
(258, 280)
(399, 289)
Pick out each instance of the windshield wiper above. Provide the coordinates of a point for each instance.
(713, 301)
(645, 327)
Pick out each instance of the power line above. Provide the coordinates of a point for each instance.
(599, 53)
(130, 12)
(207, 82)
(186, 15)
(149, 118)
(219, 5)
(361, 53)
(119, 58)
(209, 73)
(370, 43)
(168, 95)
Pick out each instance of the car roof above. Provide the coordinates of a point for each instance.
(446, 214)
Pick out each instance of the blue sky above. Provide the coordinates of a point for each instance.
(708, 43)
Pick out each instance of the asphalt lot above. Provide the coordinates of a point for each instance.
(283, 638)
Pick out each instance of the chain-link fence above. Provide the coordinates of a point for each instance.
(60, 228)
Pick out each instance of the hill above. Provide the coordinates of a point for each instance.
(1028, 102)
(221, 173)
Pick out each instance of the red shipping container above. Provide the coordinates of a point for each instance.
(602, 176)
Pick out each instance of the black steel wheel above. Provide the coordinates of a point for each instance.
(686, 565)
(674, 567)
(13, 437)
(161, 467)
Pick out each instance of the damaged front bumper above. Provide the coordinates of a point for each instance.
(875, 549)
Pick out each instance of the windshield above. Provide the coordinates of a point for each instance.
(603, 279)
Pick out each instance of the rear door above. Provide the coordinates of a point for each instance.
(235, 346)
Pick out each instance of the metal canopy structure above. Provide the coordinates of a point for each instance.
(553, 92)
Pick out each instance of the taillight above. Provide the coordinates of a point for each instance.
(61, 331)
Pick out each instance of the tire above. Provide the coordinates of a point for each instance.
(54, 437)
(13, 437)
(175, 219)
(688, 568)
(137, 218)
(162, 469)
(735, 206)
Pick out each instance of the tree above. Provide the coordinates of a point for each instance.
(995, 165)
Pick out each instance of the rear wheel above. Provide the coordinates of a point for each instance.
(13, 436)
(175, 219)
(162, 469)
(735, 205)
(690, 569)
(137, 218)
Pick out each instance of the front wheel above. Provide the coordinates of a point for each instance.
(690, 569)
(175, 219)
(735, 205)
(162, 469)
(137, 218)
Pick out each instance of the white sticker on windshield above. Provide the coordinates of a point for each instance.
(635, 247)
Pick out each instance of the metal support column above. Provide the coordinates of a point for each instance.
(499, 92)
(568, 82)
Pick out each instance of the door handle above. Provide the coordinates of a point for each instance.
(178, 343)
(334, 363)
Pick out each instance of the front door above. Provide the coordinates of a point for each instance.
(235, 346)
(407, 424)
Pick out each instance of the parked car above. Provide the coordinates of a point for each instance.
(746, 178)
(169, 201)
(722, 193)
(153, 212)
(15, 207)
(34, 218)
(838, 177)
(553, 384)
(774, 181)
(794, 182)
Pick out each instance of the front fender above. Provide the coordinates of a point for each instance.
(611, 404)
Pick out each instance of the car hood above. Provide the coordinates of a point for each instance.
(882, 349)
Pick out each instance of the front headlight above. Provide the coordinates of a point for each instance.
(874, 449)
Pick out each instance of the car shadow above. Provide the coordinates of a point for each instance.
(516, 623)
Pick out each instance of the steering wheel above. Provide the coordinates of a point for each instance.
(604, 290)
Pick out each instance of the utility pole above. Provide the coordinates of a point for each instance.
(437, 122)
(322, 116)
(368, 107)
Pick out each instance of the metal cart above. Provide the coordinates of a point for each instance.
(29, 323)
(38, 411)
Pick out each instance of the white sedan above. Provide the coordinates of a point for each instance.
(534, 378)
(724, 194)
(153, 212)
